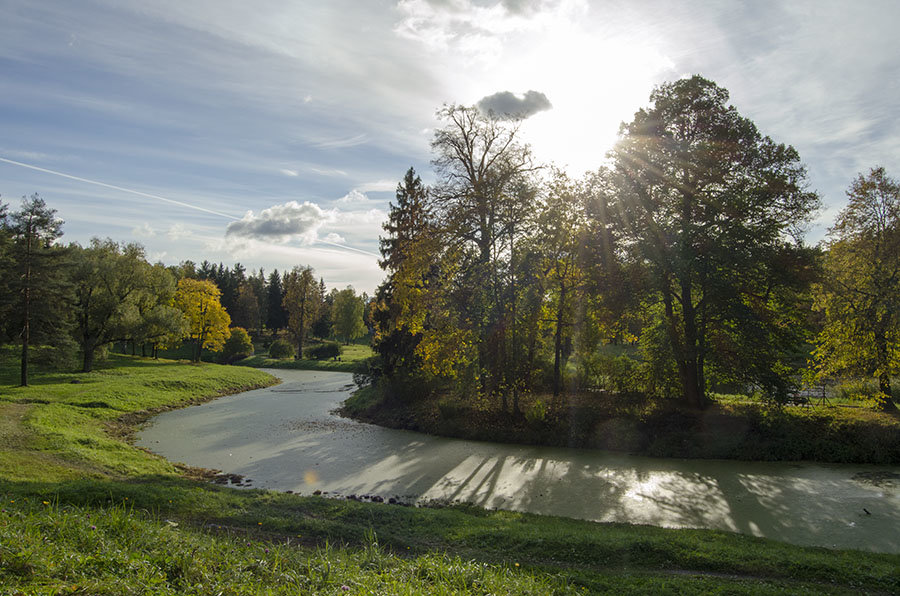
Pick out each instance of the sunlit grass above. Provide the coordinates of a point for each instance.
(85, 512)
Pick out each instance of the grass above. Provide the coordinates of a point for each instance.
(352, 357)
(83, 511)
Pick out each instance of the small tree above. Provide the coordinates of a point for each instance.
(281, 348)
(238, 346)
(301, 300)
(347, 315)
(207, 320)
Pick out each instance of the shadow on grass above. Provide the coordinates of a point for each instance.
(562, 545)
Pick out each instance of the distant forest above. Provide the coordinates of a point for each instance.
(61, 301)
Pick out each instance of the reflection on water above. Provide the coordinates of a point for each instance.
(284, 438)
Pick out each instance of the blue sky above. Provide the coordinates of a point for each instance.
(296, 119)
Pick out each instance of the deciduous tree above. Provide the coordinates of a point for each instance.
(301, 301)
(714, 210)
(860, 293)
(208, 322)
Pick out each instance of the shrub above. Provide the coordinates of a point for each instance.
(281, 348)
(237, 347)
(325, 350)
(536, 413)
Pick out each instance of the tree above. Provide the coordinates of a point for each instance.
(714, 211)
(860, 292)
(246, 308)
(301, 301)
(559, 241)
(276, 316)
(408, 252)
(38, 290)
(480, 199)
(208, 321)
(155, 319)
(108, 279)
(348, 315)
(237, 346)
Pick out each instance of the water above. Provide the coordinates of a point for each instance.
(284, 438)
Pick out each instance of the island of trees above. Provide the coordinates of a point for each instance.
(676, 272)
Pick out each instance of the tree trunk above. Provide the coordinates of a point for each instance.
(884, 379)
(557, 344)
(24, 368)
(88, 359)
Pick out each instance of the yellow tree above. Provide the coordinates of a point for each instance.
(207, 320)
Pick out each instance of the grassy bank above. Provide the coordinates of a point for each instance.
(727, 430)
(351, 360)
(85, 512)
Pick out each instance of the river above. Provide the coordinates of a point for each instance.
(285, 438)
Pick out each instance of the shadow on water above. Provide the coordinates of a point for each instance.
(286, 439)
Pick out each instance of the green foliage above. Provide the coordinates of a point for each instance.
(536, 413)
(860, 293)
(237, 346)
(710, 205)
(281, 348)
(37, 293)
(347, 315)
(301, 302)
(324, 351)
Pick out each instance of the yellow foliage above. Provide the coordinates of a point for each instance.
(208, 321)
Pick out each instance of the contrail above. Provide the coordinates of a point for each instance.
(159, 198)
(365, 252)
(114, 187)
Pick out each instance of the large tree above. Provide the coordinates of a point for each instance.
(480, 199)
(861, 288)
(38, 290)
(714, 209)
(109, 279)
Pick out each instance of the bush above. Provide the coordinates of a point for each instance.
(536, 413)
(281, 348)
(325, 350)
(237, 347)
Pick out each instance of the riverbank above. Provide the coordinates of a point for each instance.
(81, 507)
(351, 360)
(740, 431)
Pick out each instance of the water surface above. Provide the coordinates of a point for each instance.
(284, 438)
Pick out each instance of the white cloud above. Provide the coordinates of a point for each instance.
(291, 173)
(354, 197)
(178, 231)
(144, 231)
(382, 185)
(282, 223)
(335, 238)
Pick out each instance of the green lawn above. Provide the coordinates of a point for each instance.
(85, 512)
(351, 358)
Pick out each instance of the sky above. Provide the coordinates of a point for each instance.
(274, 132)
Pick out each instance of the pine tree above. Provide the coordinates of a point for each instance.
(39, 291)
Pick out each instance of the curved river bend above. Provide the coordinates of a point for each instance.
(284, 438)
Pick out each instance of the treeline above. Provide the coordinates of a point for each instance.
(58, 300)
(506, 277)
